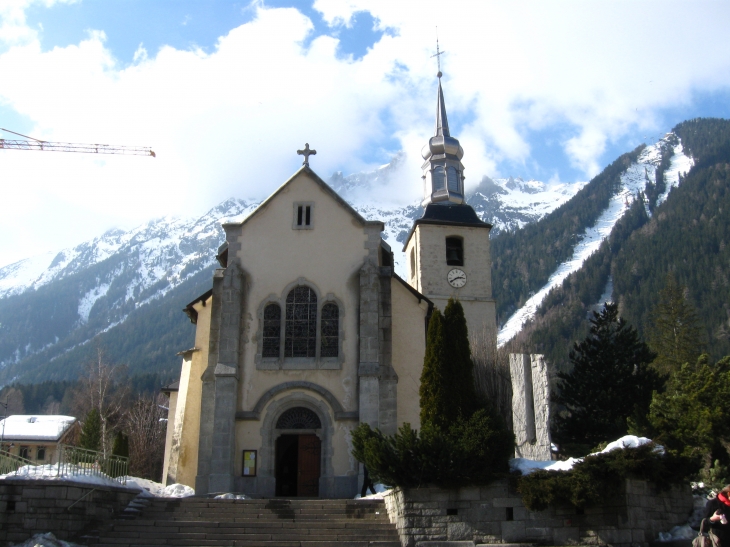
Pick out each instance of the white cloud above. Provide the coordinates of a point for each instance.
(229, 122)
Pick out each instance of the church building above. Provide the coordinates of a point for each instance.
(308, 332)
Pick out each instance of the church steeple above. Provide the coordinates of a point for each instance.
(443, 172)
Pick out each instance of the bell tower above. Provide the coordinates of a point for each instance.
(447, 249)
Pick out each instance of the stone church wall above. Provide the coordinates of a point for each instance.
(495, 514)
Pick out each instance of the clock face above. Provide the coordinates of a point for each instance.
(456, 278)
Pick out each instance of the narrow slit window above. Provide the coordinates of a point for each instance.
(272, 331)
(301, 323)
(330, 337)
(454, 251)
(303, 216)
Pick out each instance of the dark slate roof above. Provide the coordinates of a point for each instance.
(451, 214)
(461, 214)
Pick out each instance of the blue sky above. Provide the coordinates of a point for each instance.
(225, 92)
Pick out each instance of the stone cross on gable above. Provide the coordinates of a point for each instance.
(306, 153)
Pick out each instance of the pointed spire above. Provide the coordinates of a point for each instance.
(443, 172)
(442, 122)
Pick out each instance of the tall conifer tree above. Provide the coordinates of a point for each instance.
(675, 333)
(447, 381)
(91, 431)
(610, 383)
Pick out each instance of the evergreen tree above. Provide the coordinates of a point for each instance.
(461, 367)
(91, 431)
(610, 382)
(675, 333)
(692, 417)
(435, 403)
(120, 447)
(447, 381)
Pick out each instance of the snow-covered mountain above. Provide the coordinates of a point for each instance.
(166, 251)
(633, 184)
(98, 285)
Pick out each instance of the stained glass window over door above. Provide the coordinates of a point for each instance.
(298, 418)
(330, 330)
(301, 323)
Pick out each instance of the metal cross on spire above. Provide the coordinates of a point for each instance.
(306, 153)
(438, 53)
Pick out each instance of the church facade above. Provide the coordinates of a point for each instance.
(308, 332)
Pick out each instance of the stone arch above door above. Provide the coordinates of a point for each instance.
(271, 414)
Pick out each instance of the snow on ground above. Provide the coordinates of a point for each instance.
(74, 473)
(45, 540)
(633, 181)
(526, 466)
(230, 496)
(380, 491)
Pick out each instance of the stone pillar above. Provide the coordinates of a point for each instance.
(388, 385)
(530, 406)
(541, 405)
(369, 364)
(216, 453)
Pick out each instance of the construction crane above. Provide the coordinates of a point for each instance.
(29, 143)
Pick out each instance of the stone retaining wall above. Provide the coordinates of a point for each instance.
(29, 507)
(496, 514)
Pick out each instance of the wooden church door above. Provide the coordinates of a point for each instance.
(310, 448)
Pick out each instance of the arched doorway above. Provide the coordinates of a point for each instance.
(298, 453)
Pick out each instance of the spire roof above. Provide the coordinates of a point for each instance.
(442, 122)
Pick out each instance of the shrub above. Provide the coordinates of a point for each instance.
(472, 451)
(590, 481)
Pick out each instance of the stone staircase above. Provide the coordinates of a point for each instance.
(250, 523)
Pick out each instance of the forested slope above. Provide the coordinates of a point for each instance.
(687, 235)
(523, 260)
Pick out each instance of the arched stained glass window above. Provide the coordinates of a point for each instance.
(438, 178)
(453, 179)
(272, 331)
(330, 336)
(301, 323)
(299, 418)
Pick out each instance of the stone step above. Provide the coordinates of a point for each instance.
(207, 525)
(249, 543)
(251, 523)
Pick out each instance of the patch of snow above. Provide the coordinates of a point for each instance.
(45, 540)
(74, 473)
(526, 466)
(633, 181)
(230, 496)
(680, 164)
(380, 491)
(89, 299)
(16, 277)
(678, 532)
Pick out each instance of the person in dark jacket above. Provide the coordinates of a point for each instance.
(717, 512)
(367, 482)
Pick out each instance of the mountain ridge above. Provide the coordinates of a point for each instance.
(124, 289)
